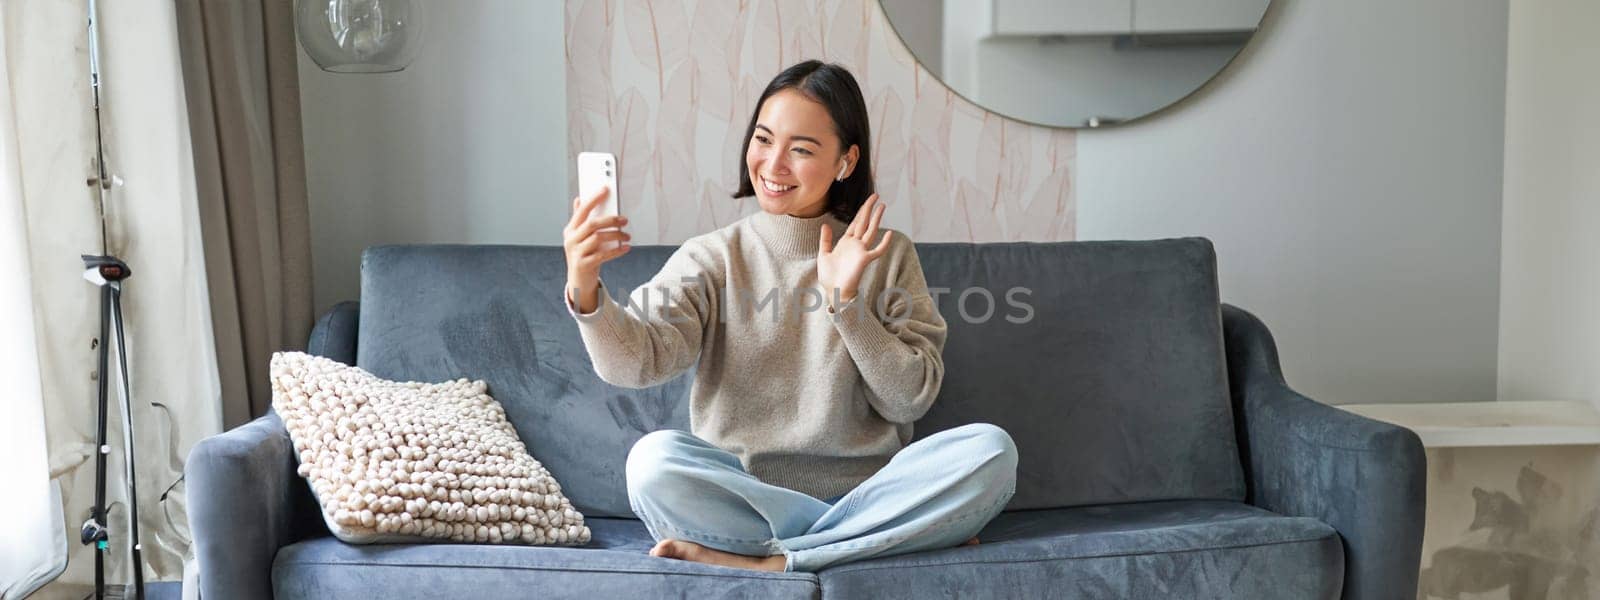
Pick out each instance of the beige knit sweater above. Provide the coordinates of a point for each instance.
(811, 399)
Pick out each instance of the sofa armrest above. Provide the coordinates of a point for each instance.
(245, 502)
(334, 335)
(246, 499)
(1303, 458)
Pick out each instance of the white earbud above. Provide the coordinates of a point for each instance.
(842, 169)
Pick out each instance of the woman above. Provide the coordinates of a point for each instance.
(801, 418)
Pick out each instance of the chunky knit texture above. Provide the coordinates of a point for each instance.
(408, 461)
(808, 398)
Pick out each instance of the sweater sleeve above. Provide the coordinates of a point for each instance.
(657, 335)
(899, 350)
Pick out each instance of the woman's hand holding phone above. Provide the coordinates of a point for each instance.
(587, 247)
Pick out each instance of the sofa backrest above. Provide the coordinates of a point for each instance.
(433, 313)
(1114, 387)
(1113, 382)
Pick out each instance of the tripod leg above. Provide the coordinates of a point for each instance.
(127, 446)
(98, 515)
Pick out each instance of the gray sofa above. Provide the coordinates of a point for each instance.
(1162, 455)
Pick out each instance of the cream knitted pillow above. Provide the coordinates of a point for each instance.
(393, 462)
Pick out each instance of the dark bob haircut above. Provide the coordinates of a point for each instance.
(835, 88)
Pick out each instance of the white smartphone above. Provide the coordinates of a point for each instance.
(597, 170)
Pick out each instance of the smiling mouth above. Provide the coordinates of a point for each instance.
(775, 188)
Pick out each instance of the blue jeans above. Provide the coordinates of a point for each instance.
(936, 492)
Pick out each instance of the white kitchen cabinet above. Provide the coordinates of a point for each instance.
(1063, 17)
(1123, 17)
(1196, 16)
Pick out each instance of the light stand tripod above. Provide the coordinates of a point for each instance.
(108, 273)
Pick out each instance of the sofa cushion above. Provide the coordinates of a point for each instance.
(398, 461)
(1172, 549)
(1115, 387)
(614, 565)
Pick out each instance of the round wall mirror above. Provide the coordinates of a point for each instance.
(1075, 63)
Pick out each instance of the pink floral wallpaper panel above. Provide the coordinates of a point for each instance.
(669, 85)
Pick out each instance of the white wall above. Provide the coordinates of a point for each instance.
(1550, 300)
(466, 145)
(1348, 168)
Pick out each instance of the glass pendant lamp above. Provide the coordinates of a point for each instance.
(359, 36)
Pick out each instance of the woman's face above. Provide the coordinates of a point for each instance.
(794, 155)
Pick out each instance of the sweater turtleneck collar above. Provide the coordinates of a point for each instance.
(794, 237)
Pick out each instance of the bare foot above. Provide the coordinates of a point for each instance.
(971, 542)
(693, 552)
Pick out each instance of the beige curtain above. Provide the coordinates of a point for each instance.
(32, 549)
(241, 80)
(152, 221)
